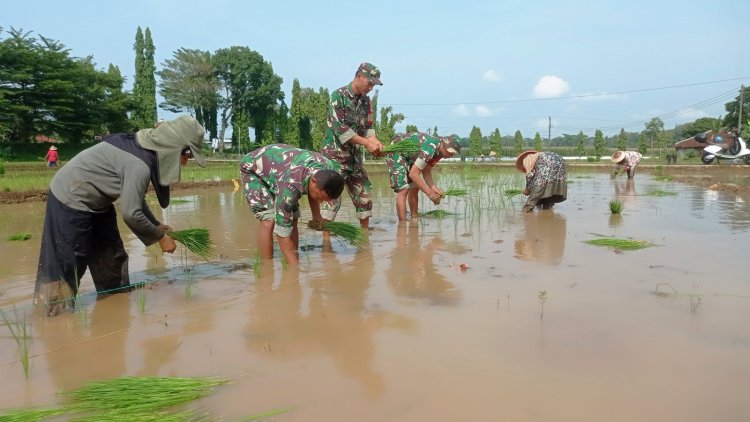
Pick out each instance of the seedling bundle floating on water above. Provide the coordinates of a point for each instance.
(619, 244)
(438, 213)
(195, 240)
(405, 147)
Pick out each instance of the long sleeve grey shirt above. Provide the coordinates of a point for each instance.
(96, 177)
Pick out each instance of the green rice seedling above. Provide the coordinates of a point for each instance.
(29, 415)
(140, 297)
(455, 192)
(19, 330)
(196, 240)
(405, 147)
(619, 244)
(438, 213)
(346, 232)
(265, 415)
(19, 236)
(256, 265)
(510, 193)
(542, 296)
(663, 178)
(660, 193)
(615, 206)
(80, 309)
(141, 395)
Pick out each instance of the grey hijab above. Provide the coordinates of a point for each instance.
(168, 140)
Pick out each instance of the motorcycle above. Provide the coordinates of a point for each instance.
(716, 150)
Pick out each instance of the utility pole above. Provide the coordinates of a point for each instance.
(739, 115)
(549, 132)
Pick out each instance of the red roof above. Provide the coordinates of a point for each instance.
(44, 138)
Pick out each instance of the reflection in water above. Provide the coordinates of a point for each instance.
(543, 238)
(725, 208)
(337, 322)
(624, 189)
(412, 272)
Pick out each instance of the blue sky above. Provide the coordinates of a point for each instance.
(495, 64)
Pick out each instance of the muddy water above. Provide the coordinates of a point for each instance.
(400, 330)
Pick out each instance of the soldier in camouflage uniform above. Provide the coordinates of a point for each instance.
(274, 178)
(350, 127)
(412, 173)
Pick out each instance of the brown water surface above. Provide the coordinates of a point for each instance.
(487, 314)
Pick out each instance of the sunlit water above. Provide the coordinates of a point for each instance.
(486, 314)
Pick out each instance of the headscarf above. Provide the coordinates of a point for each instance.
(168, 140)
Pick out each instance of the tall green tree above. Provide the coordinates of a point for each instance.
(580, 144)
(308, 116)
(538, 142)
(642, 144)
(248, 86)
(732, 118)
(144, 85)
(475, 142)
(598, 144)
(495, 142)
(385, 128)
(518, 142)
(622, 140)
(411, 128)
(188, 82)
(653, 128)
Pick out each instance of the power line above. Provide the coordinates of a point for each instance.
(573, 96)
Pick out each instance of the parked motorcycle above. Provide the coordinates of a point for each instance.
(717, 150)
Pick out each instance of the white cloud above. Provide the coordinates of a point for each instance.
(491, 75)
(482, 111)
(461, 110)
(550, 86)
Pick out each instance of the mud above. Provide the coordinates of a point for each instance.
(433, 319)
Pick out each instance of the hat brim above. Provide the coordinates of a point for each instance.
(375, 81)
(519, 160)
(617, 160)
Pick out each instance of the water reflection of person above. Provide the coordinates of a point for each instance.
(81, 347)
(412, 272)
(543, 238)
(624, 188)
(337, 322)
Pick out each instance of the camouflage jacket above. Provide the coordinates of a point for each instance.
(348, 115)
(428, 154)
(286, 171)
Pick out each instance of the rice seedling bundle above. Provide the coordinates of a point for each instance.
(455, 192)
(512, 192)
(346, 232)
(620, 244)
(20, 236)
(615, 206)
(196, 240)
(405, 147)
(660, 193)
(438, 213)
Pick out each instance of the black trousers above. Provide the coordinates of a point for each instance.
(73, 241)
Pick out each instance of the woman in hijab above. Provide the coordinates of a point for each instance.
(546, 179)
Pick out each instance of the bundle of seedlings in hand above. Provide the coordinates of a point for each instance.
(195, 240)
(347, 232)
(512, 192)
(405, 147)
(455, 192)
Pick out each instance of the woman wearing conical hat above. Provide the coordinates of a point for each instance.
(626, 160)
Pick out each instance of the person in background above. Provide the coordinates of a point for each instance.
(351, 127)
(274, 178)
(627, 161)
(546, 179)
(51, 156)
(80, 225)
(411, 173)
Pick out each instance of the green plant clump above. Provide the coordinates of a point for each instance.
(615, 206)
(438, 213)
(20, 236)
(619, 244)
(405, 147)
(196, 240)
(346, 232)
(660, 193)
(455, 192)
(512, 192)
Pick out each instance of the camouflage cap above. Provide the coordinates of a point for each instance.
(452, 143)
(371, 72)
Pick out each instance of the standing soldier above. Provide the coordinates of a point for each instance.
(410, 173)
(274, 178)
(350, 126)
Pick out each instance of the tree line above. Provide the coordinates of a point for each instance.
(45, 91)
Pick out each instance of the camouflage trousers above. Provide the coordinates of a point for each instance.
(358, 185)
(398, 172)
(262, 201)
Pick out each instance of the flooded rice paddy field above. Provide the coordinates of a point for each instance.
(485, 314)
